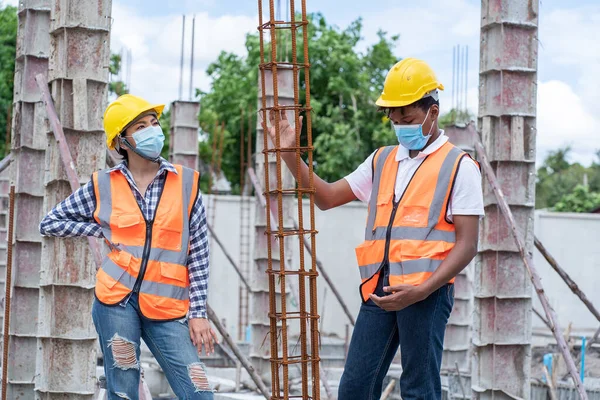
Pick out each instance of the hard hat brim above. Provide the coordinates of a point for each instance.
(407, 99)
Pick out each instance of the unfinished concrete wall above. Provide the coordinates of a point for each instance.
(342, 228)
(78, 75)
(576, 250)
(28, 148)
(183, 144)
(260, 348)
(507, 120)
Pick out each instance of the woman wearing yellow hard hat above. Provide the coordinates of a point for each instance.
(153, 283)
(425, 201)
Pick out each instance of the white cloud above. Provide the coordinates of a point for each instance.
(568, 98)
(564, 120)
(569, 41)
(430, 30)
(155, 43)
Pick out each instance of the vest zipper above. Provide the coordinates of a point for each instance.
(388, 239)
(388, 234)
(145, 256)
(148, 241)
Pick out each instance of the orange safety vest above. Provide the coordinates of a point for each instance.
(410, 237)
(148, 257)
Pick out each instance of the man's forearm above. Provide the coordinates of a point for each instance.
(322, 197)
(459, 257)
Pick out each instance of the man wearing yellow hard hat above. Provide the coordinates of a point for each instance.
(153, 282)
(425, 201)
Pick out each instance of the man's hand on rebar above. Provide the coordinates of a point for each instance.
(287, 133)
(202, 335)
(401, 297)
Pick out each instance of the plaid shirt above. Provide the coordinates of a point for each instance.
(75, 217)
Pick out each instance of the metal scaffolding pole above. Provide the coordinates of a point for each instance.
(27, 174)
(507, 119)
(78, 74)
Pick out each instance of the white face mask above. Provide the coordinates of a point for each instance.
(411, 136)
(149, 142)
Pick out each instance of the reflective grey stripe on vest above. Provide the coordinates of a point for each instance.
(442, 185)
(148, 287)
(105, 206)
(402, 268)
(411, 233)
(377, 172)
(435, 209)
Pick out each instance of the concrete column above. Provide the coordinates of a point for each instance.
(260, 349)
(507, 121)
(78, 74)
(4, 202)
(27, 174)
(183, 145)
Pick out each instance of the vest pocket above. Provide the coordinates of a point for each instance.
(168, 238)
(128, 220)
(412, 215)
(115, 265)
(367, 254)
(173, 272)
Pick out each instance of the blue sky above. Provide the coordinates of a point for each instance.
(569, 59)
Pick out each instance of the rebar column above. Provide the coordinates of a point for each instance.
(183, 144)
(78, 75)
(258, 318)
(507, 120)
(280, 195)
(27, 173)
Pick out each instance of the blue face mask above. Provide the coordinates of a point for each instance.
(411, 136)
(149, 142)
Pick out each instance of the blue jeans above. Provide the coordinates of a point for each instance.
(120, 329)
(418, 330)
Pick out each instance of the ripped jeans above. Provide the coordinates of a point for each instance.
(120, 329)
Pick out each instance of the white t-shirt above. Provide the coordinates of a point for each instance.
(466, 197)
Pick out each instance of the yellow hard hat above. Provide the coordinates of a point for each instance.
(122, 112)
(407, 82)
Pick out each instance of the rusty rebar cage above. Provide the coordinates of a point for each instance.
(306, 358)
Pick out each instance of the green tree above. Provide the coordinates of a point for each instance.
(580, 200)
(565, 186)
(8, 45)
(557, 178)
(115, 86)
(344, 82)
(455, 116)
